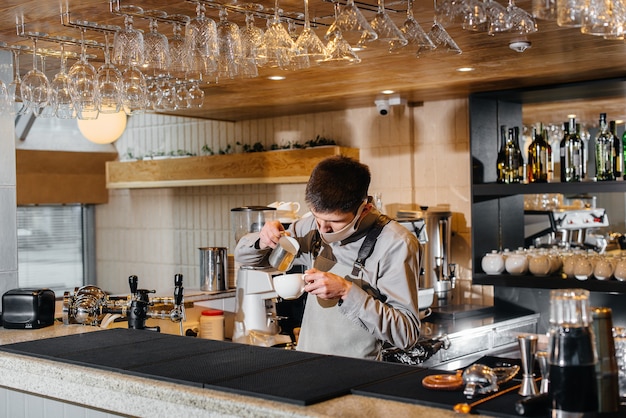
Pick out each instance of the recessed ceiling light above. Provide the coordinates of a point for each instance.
(571, 115)
(388, 91)
(465, 69)
(276, 77)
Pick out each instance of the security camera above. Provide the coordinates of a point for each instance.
(382, 106)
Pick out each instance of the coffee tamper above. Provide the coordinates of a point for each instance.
(528, 346)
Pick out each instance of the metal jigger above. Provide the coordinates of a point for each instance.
(544, 368)
(528, 346)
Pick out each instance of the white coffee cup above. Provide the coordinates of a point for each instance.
(293, 207)
(289, 286)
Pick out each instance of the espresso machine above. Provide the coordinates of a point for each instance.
(256, 321)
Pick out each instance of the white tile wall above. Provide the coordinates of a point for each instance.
(417, 155)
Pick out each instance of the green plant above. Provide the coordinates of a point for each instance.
(319, 141)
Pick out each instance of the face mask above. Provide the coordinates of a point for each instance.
(346, 231)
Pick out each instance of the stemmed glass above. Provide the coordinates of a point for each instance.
(15, 86)
(156, 47)
(384, 27)
(349, 21)
(441, 38)
(229, 46)
(49, 109)
(61, 91)
(35, 86)
(474, 15)
(179, 48)
(413, 33)
(253, 54)
(84, 85)
(109, 80)
(134, 91)
(278, 45)
(196, 95)
(522, 22)
(5, 101)
(308, 43)
(338, 50)
(602, 18)
(128, 46)
(201, 34)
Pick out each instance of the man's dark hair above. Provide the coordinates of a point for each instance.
(337, 184)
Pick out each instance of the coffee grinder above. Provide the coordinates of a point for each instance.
(256, 322)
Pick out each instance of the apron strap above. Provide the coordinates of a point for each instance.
(368, 245)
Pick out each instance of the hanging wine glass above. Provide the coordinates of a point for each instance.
(278, 45)
(201, 34)
(109, 80)
(413, 33)
(498, 18)
(252, 46)
(128, 46)
(474, 15)
(522, 22)
(354, 28)
(179, 49)
(35, 86)
(61, 91)
(308, 43)
(384, 27)
(196, 96)
(84, 85)
(15, 86)
(156, 47)
(338, 50)
(49, 110)
(134, 91)
(441, 38)
(229, 46)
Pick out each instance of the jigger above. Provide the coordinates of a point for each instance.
(544, 368)
(528, 347)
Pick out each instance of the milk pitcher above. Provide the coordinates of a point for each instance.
(571, 355)
(213, 268)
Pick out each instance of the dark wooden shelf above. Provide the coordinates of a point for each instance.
(550, 282)
(497, 189)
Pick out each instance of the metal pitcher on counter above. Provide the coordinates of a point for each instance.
(213, 268)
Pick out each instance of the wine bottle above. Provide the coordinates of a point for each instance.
(500, 162)
(539, 155)
(521, 172)
(571, 154)
(562, 151)
(512, 159)
(604, 151)
(618, 151)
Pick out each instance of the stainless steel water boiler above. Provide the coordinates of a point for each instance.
(437, 249)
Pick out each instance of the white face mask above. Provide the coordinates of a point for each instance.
(346, 231)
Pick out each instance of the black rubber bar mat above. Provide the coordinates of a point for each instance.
(216, 366)
(316, 380)
(270, 373)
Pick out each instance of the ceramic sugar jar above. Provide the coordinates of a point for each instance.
(603, 268)
(620, 269)
(583, 269)
(539, 264)
(516, 263)
(492, 263)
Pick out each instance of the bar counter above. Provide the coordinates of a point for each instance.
(125, 395)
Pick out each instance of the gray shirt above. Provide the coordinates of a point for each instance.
(381, 307)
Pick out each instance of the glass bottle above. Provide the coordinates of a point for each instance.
(571, 154)
(571, 355)
(500, 162)
(562, 150)
(511, 159)
(539, 156)
(521, 169)
(604, 151)
(618, 151)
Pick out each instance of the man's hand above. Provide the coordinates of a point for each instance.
(270, 234)
(326, 285)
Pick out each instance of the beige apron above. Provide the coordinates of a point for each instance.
(326, 330)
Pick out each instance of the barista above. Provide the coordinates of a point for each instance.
(353, 307)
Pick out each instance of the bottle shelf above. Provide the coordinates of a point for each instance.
(497, 189)
(269, 167)
(550, 282)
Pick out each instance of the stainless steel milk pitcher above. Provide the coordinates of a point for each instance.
(213, 268)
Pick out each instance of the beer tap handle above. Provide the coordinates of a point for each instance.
(178, 280)
(178, 295)
(133, 281)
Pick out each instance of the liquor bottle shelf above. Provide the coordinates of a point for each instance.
(497, 189)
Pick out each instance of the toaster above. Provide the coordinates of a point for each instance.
(28, 308)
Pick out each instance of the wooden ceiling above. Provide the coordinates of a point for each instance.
(558, 55)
